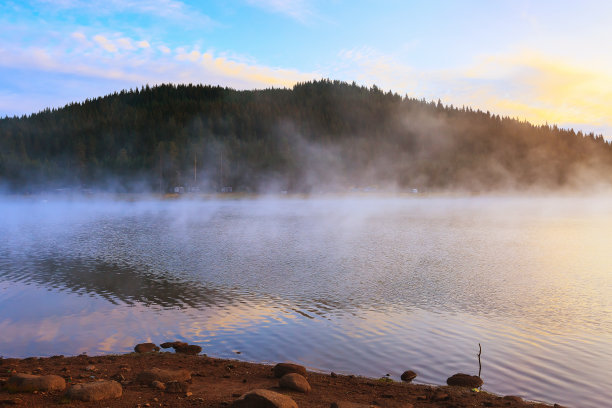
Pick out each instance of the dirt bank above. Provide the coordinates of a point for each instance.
(218, 383)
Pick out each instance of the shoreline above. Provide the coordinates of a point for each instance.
(218, 383)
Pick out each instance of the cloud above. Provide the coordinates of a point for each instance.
(128, 62)
(166, 9)
(299, 10)
(542, 88)
(527, 85)
(105, 43)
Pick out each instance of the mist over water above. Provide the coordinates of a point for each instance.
(365, 285)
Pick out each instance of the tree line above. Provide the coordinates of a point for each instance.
(318, 136)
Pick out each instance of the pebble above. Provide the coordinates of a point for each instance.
(295, 381)
(408, 376)
(159, 385)
(260, 398)
(95, 391)
(31, 383)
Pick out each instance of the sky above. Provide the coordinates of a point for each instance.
(536, 60)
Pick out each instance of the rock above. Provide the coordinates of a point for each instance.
(159, 385)
(157, 374)
(91, 367)
(191, 349)
(172, 344)
(29, 383)
(285, 368)
(95, 391)
(177, 387)
(261, 398)
(333, 375)
(145, 348)
(512, 398)
(408, 375)
(465, 380)
(182, 347)
(294, 381)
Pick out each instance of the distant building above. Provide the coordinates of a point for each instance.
(179, 190)
(226, 189)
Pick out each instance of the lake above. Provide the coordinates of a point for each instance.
(364, 285)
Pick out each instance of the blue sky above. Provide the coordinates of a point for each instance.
(544, 61)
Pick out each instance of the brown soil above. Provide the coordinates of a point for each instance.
(216, 383)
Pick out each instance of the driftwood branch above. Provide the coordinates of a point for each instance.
(479, 353)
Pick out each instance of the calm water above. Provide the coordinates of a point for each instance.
(360, 285)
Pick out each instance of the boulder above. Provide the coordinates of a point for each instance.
(261, 398)
(95, 391)
(465, 380)
(172, 344)
(177, 387)
(286, 368)
(30, 382)
(145, 348)
(408, 375)
(182, 347)
(191, 349)
(164, 376)
(294, 381)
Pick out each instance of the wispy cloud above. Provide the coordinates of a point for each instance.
(168, 9)
(125, 60)
(300, 10)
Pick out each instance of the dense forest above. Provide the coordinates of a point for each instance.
(318, 136)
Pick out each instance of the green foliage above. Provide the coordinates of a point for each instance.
(318, 135)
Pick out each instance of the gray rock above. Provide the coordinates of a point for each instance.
(95, 391)
(261, 398)
(285, 368)
(30, 382)
(294, 381)
(465, 380)
(157, 374)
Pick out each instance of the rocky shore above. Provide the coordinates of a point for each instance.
(185, 378)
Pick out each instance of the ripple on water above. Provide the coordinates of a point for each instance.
(370, 286)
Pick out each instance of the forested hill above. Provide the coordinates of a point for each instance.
(318, 136)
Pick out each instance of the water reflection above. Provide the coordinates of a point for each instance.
(115, 283)
(370, 286)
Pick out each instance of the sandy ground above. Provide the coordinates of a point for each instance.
(217, 383)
